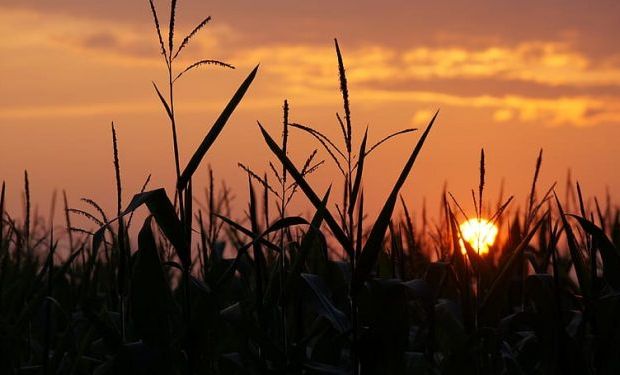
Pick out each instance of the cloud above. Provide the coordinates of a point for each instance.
(580, 92)
(548, 63)
(112, 42)
(544, 62)
(549, 82)
(577, 111)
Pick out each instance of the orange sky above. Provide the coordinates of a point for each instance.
(511, 77)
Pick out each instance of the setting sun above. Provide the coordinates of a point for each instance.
(480, 233)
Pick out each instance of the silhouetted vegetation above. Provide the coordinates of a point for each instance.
(402, 299)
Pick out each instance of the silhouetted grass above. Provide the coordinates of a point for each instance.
(404, 298)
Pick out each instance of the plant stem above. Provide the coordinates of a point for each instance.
(282, 233)
(183, 219)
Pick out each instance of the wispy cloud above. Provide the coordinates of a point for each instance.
(541, 62)
(309, 72)
(113, 42)
(549, 82)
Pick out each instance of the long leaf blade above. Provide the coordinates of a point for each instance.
(375, 238)
(215, 130)
(305, 187)
(609, 252)
(162, 209)
(151, 298)
(575, 252)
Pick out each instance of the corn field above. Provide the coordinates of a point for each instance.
(337, 292)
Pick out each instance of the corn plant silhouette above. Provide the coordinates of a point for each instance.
(402, 299)
(176, 225)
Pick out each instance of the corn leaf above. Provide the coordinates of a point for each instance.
(215, 130)
(371, 249)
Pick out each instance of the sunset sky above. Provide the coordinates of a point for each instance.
(509, 76)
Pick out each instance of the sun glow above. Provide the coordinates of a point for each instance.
(479, 233)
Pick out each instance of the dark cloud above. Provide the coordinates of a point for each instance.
(590, 25)
(102, 40)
